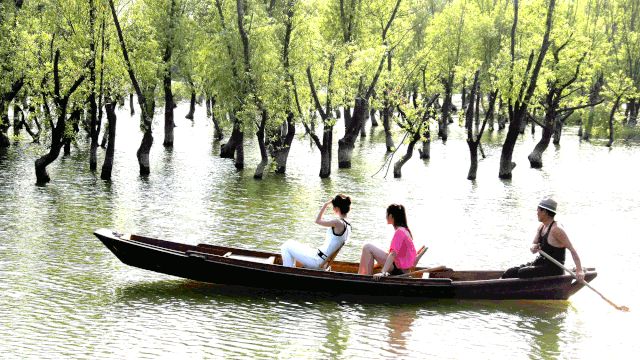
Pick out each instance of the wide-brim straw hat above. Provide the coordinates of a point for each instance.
(548, 204)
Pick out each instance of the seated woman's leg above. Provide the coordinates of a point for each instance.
(293, 250)
(537, 271)
(370, 253)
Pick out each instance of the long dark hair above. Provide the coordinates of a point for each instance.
(399, 216)
(342, 202)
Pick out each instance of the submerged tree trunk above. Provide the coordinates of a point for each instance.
(612, 115)
(105, 136)
(58, 129)
(107, 165)
(264, 157)
(425, 152)
(145, 101)
(234, 146)
(347, 143)
(397, 167)
(363, 131)
(472, 113)
(535, 157)
(217, 130)
(372, 115)
(74, 120)
(633, 107)
(5, 99)
(443, 131)
(169, 123)
(518, 109)
(325, 152)
(4, 125)
(282, 146)
(18, 117)
(94, 127)
(192, 103)
(386, 124)
(594, 94)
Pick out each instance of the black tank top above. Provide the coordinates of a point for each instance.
(555, 252)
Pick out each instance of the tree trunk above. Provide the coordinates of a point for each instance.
(473, 152)
(168, 110)
(234, 146)
(93, 105)
(105, 136)
(386, 123)
(131, 104)
(347, 143)
(471, 117)
(363, 132)
(4, 125)
(325, 152)
(143, 152)
(443, 131)
(518, 109)
(557, 131)
(192, 104)
(18, 117)
(57, 134)
(397, 167)
(42, 177)
(425, 152)
(264, 158)
(535, 158)
(506, 165)
(217, 132)
(348, 118)
(107, 166)
(5, 99)
(207, 102)
(614, 108)
(281, 148)
(634, 108)
(594, 94)
(372, 115)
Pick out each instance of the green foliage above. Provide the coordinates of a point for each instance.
(427, 41)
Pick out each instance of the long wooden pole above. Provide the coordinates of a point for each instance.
(621, 308)
(437, 268)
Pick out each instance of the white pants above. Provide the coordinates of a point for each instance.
(293, 250)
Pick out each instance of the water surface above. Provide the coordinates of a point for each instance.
(66, 296)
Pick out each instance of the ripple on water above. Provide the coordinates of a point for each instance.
(65, 296)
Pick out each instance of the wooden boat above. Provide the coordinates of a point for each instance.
(233, 266)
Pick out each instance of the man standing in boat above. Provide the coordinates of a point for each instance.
(552, 239)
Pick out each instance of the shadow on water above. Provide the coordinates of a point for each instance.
(201, 292)
(394, 319)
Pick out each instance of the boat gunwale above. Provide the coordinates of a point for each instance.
(146, 242)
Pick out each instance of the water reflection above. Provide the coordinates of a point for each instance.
(330, 326)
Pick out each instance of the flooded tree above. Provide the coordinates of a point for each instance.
(145, 96)
(61, 100)
(521, 95)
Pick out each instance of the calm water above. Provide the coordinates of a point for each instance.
(66, 296)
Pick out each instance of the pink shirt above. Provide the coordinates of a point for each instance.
(402, 244)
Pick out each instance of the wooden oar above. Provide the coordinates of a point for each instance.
(621, 308)
(437, 268)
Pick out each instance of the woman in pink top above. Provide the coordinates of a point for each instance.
(402, 252)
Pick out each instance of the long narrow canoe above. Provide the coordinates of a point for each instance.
(233, 266)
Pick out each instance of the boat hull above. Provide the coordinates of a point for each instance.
(209, 264)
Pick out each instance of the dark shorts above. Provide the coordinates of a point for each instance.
(531, 270)
(396, 271)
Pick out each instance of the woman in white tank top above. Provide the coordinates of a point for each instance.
(338, 231)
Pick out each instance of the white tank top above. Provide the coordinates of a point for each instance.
(334, 241)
